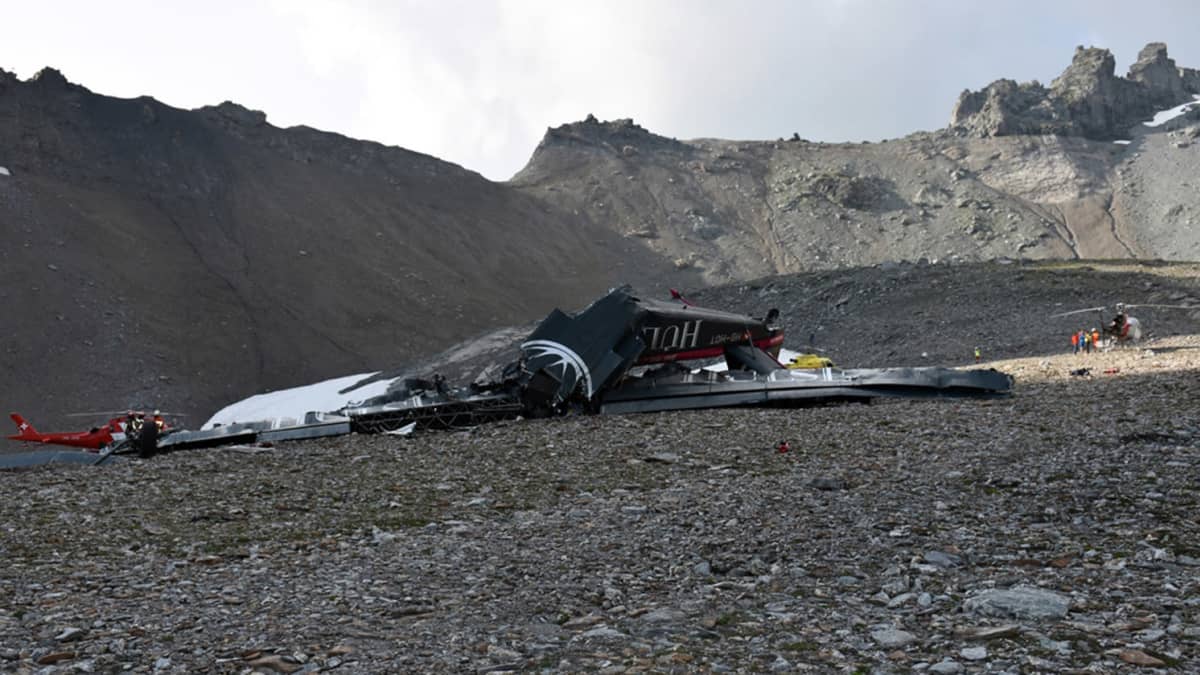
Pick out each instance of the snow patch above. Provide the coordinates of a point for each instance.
(294, 403)
(5, 172)
(1122, 142)
(1165, 116)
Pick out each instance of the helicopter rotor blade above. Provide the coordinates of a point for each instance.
(122, 412)
(1078, 311)
(1167, 306)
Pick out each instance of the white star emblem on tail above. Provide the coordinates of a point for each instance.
(567, 359)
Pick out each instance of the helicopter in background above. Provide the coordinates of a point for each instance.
(113, 433)
(1124, 328)
(93, 439)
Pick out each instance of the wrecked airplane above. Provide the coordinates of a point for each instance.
(602, 360)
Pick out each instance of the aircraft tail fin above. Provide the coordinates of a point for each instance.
(23, 428)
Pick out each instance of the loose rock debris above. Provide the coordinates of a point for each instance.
(1051, 532)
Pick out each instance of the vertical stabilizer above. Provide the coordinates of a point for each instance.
(24, 429)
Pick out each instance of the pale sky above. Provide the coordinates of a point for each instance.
(478, 82)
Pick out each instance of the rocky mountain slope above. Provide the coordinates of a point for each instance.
(1023, 171)
(157, 257)
(185, 259)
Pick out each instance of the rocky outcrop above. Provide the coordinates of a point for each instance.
(236, 114)
(1191, 79)
(1095, 102)
(50, 78)
(868, 193)
(1162, 81)
(621, 137)
(1088, 99)
(1005, 108)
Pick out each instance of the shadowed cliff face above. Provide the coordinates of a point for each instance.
(182, 259)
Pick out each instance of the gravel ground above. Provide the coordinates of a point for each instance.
(1055, 531)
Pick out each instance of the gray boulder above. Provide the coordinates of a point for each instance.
(1157, 72)
(892, 638)
(1019, 602)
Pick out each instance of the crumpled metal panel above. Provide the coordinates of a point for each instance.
(785, 388)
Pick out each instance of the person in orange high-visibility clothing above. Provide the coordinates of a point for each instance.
(1075, 343)
(1096, 338)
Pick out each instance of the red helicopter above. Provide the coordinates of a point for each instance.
(96, 438)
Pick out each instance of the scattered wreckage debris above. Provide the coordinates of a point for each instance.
(23, 460)
(570, 363)
(421, 410)
(315, 425)
(622, 354)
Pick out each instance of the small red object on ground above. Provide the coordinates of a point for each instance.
(1111, 371)
(784, 446)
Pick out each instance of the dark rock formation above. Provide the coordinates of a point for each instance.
(1163, 82)
(1088, 99)
(853, 192)
(50, 78)
(1094, 101)
(621, 137)
(237, 114)
(1005, 108)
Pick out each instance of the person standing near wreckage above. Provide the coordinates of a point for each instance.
(147, 439)
(133, 425)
